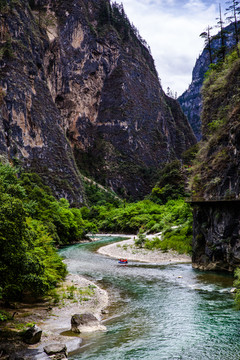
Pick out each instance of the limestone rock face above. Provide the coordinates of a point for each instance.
(30, 123)
(82, 89)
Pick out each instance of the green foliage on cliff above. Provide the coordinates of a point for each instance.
(97, 195)
(3, 5)
(31, 221)
(65, 224)
(171, 184)
(218, 153)
(113, 14)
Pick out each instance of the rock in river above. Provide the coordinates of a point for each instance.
(85, 323)
(32, 335)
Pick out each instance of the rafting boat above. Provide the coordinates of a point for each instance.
(122, 261)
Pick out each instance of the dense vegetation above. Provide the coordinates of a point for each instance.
(31, 222)
(164, 210)
(173, 219)
(113, 14)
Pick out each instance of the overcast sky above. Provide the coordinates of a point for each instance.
(171, 29)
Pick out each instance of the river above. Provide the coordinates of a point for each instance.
(158, 312)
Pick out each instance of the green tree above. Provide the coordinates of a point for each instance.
(171, 184)
(221, 53)
(28, 260)
(141, 239)
(105, 13)
(206, 35)
(3, 4)
(233, 11)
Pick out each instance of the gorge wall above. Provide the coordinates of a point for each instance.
(216, 177)
(191, 99)
(79, 92)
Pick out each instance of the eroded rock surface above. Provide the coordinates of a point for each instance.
(81, 88)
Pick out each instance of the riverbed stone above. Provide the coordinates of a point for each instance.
(104, 311)
(85, 323)
(32, 335)
(54, 349)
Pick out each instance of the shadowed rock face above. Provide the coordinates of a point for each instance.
(215, 177)
(191, 99)
(80, 91)
(30, 122)
(216, 236)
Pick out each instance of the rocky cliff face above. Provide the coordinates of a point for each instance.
(79, 87)
(215, 180)
(191, 99)
(31, 126)
(216, 244)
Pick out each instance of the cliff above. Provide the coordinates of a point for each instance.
(215, 179)
(191, 99)
(80, 93)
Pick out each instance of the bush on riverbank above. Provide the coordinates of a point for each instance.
(151, 218)
(178, 239)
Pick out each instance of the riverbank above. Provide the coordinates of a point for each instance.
(75, 295)
(126, 249)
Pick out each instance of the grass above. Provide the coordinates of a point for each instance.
(72, 293)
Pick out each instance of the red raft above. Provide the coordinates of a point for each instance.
(122, 261)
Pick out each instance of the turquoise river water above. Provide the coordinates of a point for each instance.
(158, 312)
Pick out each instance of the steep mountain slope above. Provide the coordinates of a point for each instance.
(30, 124)
(191, 100)
(216, 180)
(81, 81)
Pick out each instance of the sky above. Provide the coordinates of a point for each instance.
(171, 29)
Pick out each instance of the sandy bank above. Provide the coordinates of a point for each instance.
(127, 249)
(60, 317)
(77, 295)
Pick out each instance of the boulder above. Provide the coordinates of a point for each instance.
(104, 311)
(32, 335)
(85, 323)
(56, 351)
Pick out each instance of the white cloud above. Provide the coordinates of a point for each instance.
(172, 28)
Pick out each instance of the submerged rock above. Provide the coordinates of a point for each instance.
(85, 323)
